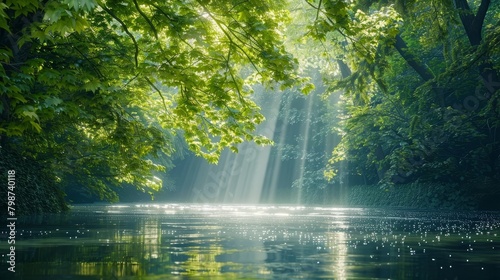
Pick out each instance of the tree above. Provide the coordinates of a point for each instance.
(422, 87)
(101, 90)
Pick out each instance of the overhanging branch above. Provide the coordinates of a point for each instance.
(402, 48)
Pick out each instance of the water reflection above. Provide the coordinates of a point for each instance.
(266, 242)
(340, 256)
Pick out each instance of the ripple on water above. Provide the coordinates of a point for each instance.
(258, 241)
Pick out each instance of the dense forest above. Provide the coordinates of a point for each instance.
(97, 95)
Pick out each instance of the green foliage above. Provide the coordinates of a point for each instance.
(104, 92)
(360, 39)
(35, 192)
(305, 140)
(421, 100)
(107, 93)
(414, 195)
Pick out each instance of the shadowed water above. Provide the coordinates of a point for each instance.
(254, 242)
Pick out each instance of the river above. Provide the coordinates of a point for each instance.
(183, 241)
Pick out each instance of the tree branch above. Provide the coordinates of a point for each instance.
(402, 48)
(477, 24)
(159, 92)
(124, 26)
(473, 24)
(146, 19)
(228, 36)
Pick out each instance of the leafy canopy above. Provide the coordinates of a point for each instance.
(102, 89)
(420, 82)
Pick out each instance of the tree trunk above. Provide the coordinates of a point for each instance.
(473, 25)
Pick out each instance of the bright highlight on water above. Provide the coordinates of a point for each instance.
(175, 241)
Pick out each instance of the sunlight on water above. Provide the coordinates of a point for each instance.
(339, 267)
(160, 241)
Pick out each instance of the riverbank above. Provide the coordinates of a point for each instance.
(420, 196)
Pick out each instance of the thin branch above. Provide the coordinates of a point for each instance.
(171, 19)
(96, 69)
(146, 18)
(310, 4)
(124, 26)
(240, 40)
(233, 78)
(236, 5)
(159, 92)
(317, 9)
(136, 75)
(231, 39)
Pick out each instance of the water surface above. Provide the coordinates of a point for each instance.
(181, 241)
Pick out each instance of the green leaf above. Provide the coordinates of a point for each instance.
(52, 101)
(5, 55)
(36, 126)
(31, 114)
(54, 14)
(307, 88)
(92, 85)
(4, 17)
(16, 94)
(234, 149)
